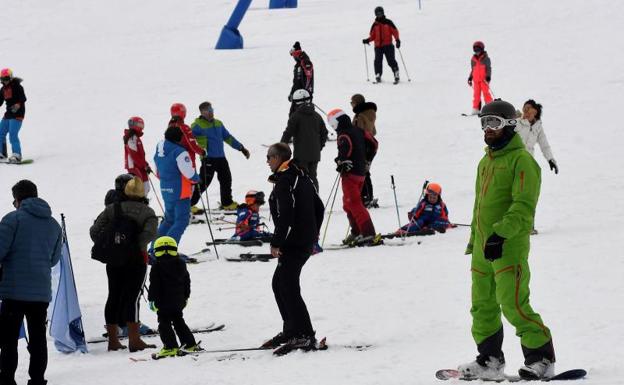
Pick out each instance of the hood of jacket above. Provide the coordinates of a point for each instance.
(36, 207)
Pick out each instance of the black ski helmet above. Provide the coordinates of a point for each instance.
(379, 11)
(121, 181)
(499, 107)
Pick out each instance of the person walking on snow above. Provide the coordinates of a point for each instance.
(211, 134)
(134, 153)
(531, 131)
(303, 75)
(298, 214)
(364, 118)
(177, 177)
(11, 93)
(430, 213)
(480, 76)
(506, 194)
(307, 131)
(351, 164)
(169, 291)
(30, 245)
(381, 33)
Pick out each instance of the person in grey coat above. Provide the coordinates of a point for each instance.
(125, 282)
(30, 245)
(308, 133)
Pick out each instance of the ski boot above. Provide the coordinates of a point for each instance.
(15, 158)
(396, 77)
(349, 239)
(377, 78)
(490, 369)
(191, 349)
(165, 352)
(475, 111)
(231, 207)
(538, 370)
(276, 341)
(302, 342)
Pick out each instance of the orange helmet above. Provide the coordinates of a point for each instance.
(178, 109)
(433, 188)
(254, 197)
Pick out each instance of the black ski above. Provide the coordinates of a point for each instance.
(251, 257)
(251, 242)
(418, 233)
(154, 333)
(574, 374)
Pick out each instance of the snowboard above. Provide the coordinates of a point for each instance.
(574, 374)
(23, 161)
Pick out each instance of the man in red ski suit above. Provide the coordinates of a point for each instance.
(382, 31)
(480, 76)
(351, 161)
(134, 154)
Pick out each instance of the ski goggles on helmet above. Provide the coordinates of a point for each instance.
(494, 122)
(5, 79)
(165, 249)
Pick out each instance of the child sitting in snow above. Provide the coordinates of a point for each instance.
(248, 219)
(430, 213)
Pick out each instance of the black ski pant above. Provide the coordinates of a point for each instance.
(367, 189)
(206, 172)
(125, 285)
(168, 320)
(287, 291)
(387, 50)
(12, 315)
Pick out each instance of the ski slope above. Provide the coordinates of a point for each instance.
(89, 65)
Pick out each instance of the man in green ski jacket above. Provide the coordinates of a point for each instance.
(506, 194)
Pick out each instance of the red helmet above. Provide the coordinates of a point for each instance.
(433, 188)
(6, 73)
(136, 123)
(178, 109)
(478, 44)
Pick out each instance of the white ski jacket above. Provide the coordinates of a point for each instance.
(532, 134)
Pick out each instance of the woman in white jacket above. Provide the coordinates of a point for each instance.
(530, 129)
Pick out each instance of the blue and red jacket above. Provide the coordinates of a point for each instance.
(175, 171)
(247, 224)
(427, 215)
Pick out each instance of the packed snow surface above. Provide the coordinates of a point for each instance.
(89, 65)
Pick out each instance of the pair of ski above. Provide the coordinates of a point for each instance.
(251, 257)
(574, 374)
(247, 243)
(421, 232)
(211, 327)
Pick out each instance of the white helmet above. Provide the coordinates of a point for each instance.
(301, 96)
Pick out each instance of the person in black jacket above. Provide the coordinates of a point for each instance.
(307, 130)
(303, 74)
(170, 289)
(11, 93)
(298, 214)
(351, 162)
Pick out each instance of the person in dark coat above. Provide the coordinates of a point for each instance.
(365, 115)
(125, 282)
(170, 289)
(308, 133)
(298, 214)
(30, 245)
(11, 93)
(303, 74)
(351, 164)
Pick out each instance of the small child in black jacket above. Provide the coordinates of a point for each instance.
(170, 288)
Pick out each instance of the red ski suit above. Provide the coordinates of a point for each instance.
(480, 73)
(134, 156)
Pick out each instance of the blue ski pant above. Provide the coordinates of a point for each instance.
(177, 216)
(11, 127)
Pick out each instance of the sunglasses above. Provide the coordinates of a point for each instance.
(495, 122)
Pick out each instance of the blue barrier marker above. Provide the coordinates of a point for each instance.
(230, 37)
(273, 4)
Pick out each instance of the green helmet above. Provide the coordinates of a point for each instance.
(165, 245)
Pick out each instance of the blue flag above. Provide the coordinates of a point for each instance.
(66, 320)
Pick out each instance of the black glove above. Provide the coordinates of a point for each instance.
(398, 43)
(366, 41)
(553, 166)
(470, 81)
(344, 166)
(488, 78)
(493, 247)
(148, 169)
(245, 152)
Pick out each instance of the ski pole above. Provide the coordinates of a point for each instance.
(332, 189)
(330, 211)
(366, 61)
(208, 223)
(226, 228)
(396, 202)
(403, 61)
(320, 109)
(491, 90)
(155, 194)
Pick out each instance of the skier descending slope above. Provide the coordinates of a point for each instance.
(507, 190)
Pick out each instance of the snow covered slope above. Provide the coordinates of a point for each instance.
(89, 65)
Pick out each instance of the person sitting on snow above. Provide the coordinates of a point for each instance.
(430, 213)
(248, 219)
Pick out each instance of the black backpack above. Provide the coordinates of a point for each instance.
(118, 244)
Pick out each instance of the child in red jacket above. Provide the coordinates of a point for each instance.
(480, 76)
(134, 154)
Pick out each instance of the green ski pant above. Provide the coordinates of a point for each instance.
(503, 285)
